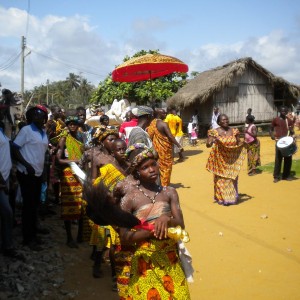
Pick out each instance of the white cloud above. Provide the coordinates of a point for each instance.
(63, 45)
(275, 52)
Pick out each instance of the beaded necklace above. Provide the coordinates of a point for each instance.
(151, 198)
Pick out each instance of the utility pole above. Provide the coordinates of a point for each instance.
(47, 92)
(23, 45)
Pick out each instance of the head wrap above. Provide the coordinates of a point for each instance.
(70, 119)
(142, 111)
(140, 157)
(102, 133)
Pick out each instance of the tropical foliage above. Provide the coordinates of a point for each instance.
(143, 92)
(76, 90)
(73, 91)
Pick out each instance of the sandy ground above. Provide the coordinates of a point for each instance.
(247, 251)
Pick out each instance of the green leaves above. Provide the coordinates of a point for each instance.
(143, 92)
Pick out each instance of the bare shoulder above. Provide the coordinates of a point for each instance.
(127, 184)
(170, 191)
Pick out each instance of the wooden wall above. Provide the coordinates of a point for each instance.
(251, 90)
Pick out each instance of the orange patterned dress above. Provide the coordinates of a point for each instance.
(225, 161)
(163, 147)
(154, 268)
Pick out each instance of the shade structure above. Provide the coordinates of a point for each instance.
(147, 67)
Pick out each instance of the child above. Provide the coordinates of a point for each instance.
(194, 134)
(190, 128)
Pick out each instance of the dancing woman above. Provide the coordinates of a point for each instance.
(225, 160)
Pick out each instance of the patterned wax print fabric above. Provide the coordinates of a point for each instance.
(225, 161)
(154, 266)
(71, 188)
(163, 147)
(253, 154)
(106, 236)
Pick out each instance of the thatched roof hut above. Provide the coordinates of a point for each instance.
(210, 82)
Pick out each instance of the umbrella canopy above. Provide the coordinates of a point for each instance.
(148, 66)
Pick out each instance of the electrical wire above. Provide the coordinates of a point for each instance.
(10, 62)
(69, 65)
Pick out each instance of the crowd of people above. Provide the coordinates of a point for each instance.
(125, 170)
(114, 184)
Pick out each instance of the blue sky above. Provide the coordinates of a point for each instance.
(91, 37)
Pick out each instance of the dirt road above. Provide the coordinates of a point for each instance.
(247, 251)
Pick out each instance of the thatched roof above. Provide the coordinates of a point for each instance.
(207, 83)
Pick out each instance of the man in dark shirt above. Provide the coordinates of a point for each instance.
(281, 126)
(9, 99)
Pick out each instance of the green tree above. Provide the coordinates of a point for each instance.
(74, 90)
(73, 81)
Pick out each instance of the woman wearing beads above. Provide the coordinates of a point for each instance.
(154, 265)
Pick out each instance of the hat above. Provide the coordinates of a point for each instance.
(142, 110)
(70, 119)
(6, 92)
(42, 107)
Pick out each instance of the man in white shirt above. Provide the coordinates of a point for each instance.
(29, 147)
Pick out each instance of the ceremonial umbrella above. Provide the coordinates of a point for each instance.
(148, 67)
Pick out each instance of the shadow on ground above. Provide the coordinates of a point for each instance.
(179, 185)
(188, 153)
(244, 198)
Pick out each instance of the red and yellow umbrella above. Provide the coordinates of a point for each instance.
(148, 66)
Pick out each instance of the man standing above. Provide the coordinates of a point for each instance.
(83, 127)
(179, 139)
(214, 118)
(9, 99)
(138, 134)
(281, 126)
(127, 126)
(175, 124)
(163, 141)
(29, 147)
(6, 212)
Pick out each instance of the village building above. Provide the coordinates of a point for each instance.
(234, 88)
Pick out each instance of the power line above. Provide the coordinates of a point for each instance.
(69, 65)
(10, 62)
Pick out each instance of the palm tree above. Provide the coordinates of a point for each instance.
(85, 90)
(73, 81)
